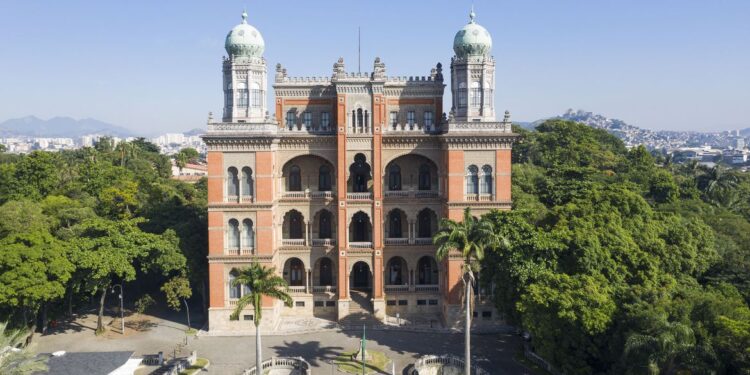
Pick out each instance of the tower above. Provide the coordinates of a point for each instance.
(244, 75)
(473, 73)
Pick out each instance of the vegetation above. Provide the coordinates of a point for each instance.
(200, 364)
(74, 223)
(16, 359)
(375, 365)
(619, 265)
(258, 282)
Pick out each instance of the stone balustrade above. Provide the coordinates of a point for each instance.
(396, 241)
(293, 242)
(360, 245)
(323, 242)
(397, 288)
(427, 288)
(359, 196)
(443, 364)
(478, 197)
(324, 289)
(282, 365)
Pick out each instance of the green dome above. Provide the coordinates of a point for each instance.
(244, 40)
(472, 39)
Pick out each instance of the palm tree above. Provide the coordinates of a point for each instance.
(260, 281)
(671, 348)
(471, 237)
(15, 360)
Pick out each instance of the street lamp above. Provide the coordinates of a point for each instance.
(122, 312)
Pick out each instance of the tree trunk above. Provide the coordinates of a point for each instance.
(70, 301)
(99, 324)
(187, 309)
(258, 356)
(467, 349)
(43, 318)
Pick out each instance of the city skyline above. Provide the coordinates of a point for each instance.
(635, 61)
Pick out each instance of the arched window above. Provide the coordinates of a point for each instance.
(295, 179)
(326, 272)
(291, 119)
(486, 187)
(242, 95)
(256, 95)
(472, 180)
(462, 94)
(360, 119)
(475, 95)
(296, 272)
(394, 177)
(427, 271)
(396, 271)
(424, 224)
(360, 174)
(425, 180)
(234, 291)
(233, 182)
(247, 182)
(296, 225)
(359, 229)
(233, 234)
(248, 234)
(324, 225)
(394, 224)
(324, 178)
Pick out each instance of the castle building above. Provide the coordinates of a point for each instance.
(343, 188)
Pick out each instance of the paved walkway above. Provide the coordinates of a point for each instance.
(318, 345)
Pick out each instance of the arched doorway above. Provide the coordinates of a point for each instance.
(361, 276)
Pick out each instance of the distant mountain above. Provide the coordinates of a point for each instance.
(196, 131)
(60, 127)
(655, 139)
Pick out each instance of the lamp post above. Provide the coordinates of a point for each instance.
(122, 312)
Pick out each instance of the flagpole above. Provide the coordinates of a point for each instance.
(364, 337)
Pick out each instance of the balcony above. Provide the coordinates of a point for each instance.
(324, 289)
(397, 194)
(248, 251)
(323, 242)
(359, 196)
(247, 199)
(427, 288)
(478, 197)
(298, 289)
(423, 241)
(233, 199)
(396, 241)
(360, 245)
(396, 288)
(298, 242)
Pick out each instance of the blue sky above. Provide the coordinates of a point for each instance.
(155, 66)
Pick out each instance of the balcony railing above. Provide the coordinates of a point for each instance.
(233, 302)
(233, 199)
(321, 194)
(307, 194)
(246, 251)
(298, 289)
(324, 289)
(478, 197)
(323, 242)
(396, 194)
(359, 196)
(427, 288)
(425, 194)
(411, 193)
(397, 241)
(247, 199)
(360, 245)
(293, 242)
(423, 241)
(396, 288)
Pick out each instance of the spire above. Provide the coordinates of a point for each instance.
(472, 15)
(244, 16)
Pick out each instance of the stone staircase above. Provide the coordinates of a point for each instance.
(360, 312)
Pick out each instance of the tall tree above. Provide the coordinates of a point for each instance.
(471, 237)
(259, 281)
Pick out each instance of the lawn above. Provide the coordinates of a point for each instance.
(376, 364)
(197, 366)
